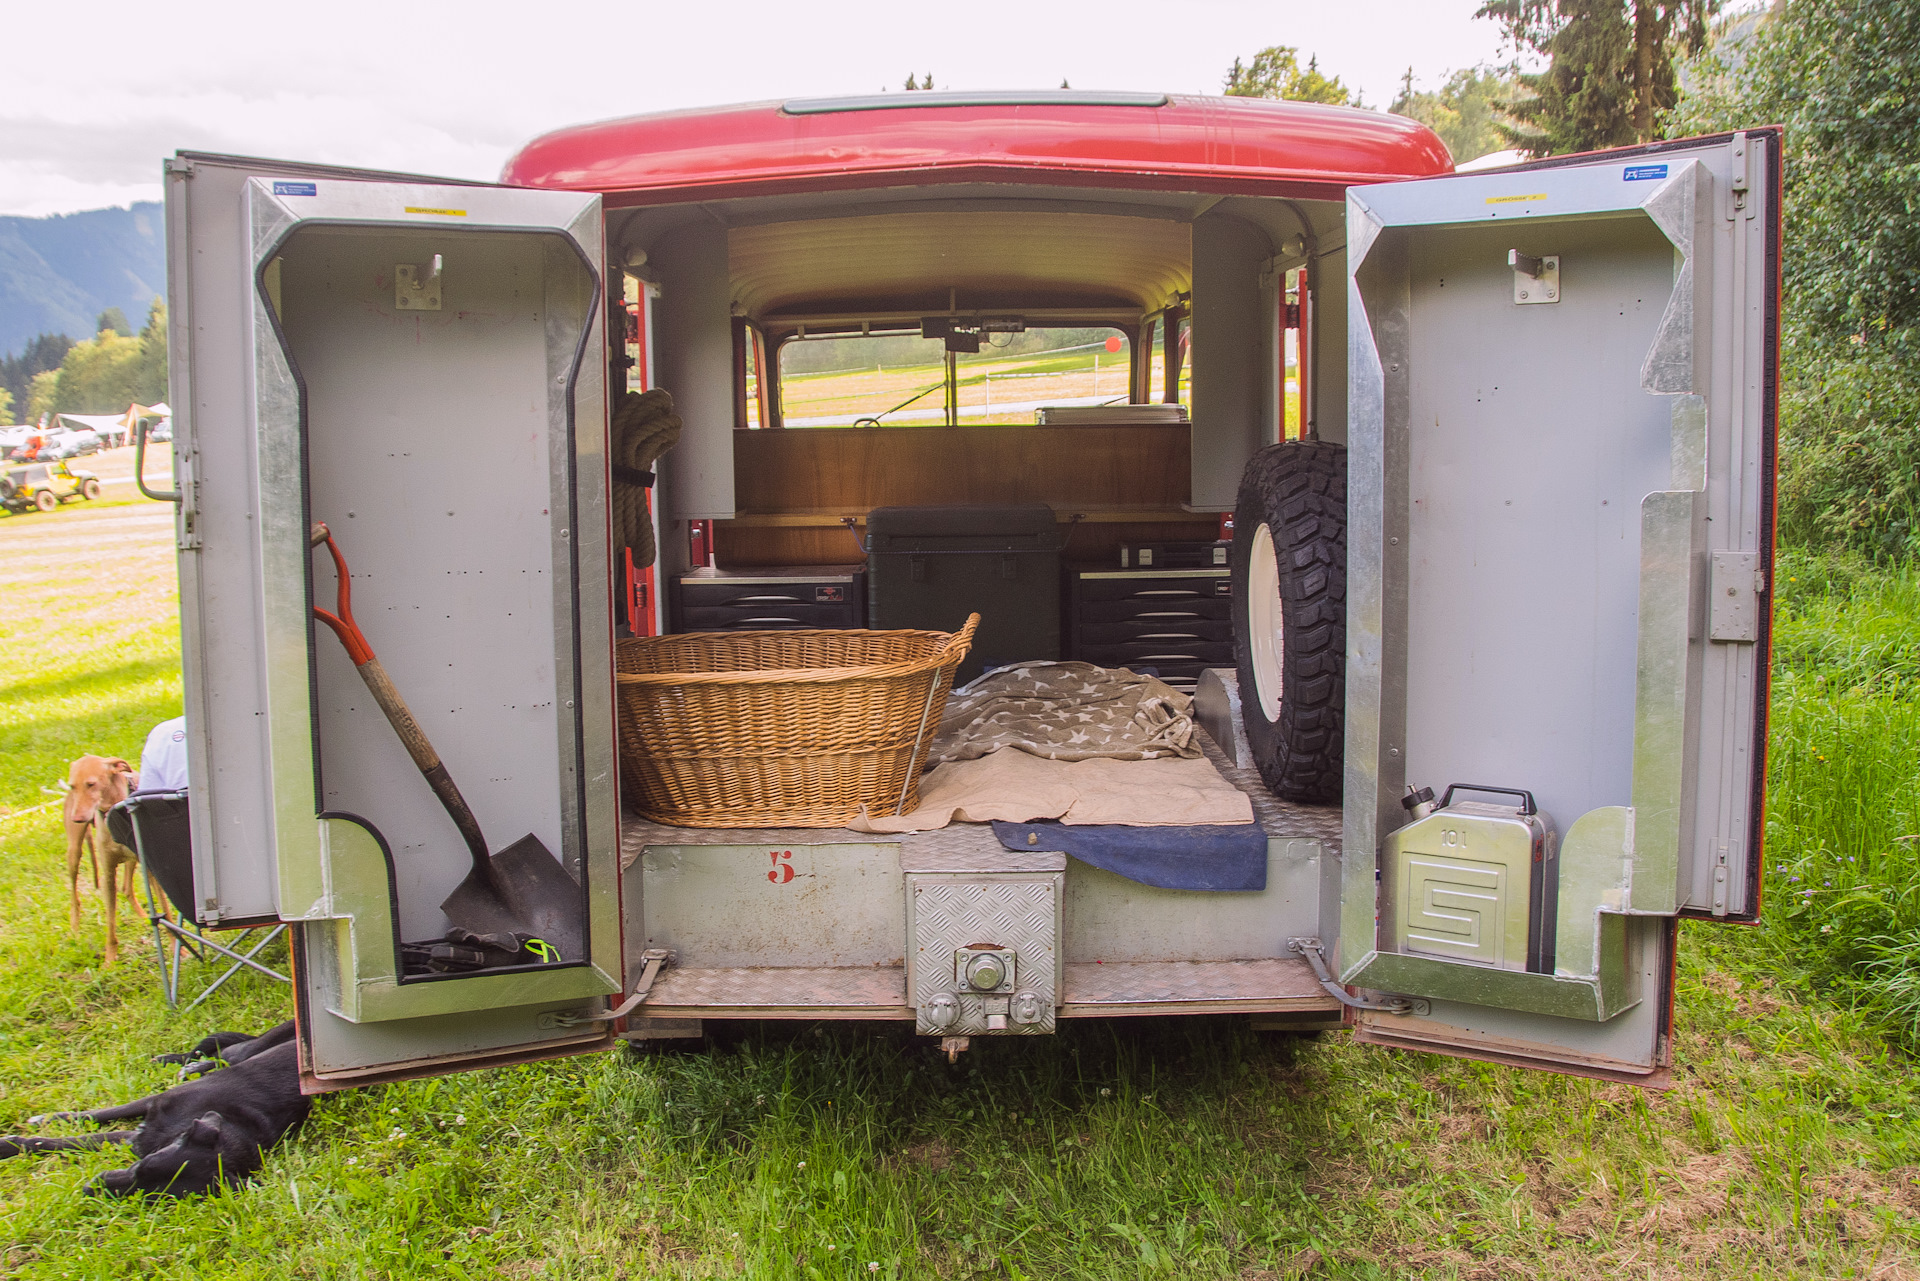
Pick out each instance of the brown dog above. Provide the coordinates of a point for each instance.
(95, 784)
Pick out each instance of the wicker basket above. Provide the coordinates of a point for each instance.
(781, 729)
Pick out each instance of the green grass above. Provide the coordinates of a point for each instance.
(1843, 829)
(1788, 1146)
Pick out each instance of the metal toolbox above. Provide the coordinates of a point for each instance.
(770, 598)
(1187, 554)
(1179, 622)
(929, 567)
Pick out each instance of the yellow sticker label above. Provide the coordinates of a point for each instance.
(1510, 200)
(444, 213)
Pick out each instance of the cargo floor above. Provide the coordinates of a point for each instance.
(742, 952)
(1278, 818)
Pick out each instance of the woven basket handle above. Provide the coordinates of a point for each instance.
(956, 646)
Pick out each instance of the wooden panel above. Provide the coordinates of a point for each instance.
(855, 469)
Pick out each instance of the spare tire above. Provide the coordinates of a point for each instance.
(1290, 616)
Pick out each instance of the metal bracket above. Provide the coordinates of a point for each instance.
(1317, 958)
(417, 288)
(1738, 185)
(1535, 280)
(657, 959)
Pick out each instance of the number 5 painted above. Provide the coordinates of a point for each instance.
(782, 869)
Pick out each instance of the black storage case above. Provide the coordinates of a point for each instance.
(776, 598)
(1178, 622)
(929, 567)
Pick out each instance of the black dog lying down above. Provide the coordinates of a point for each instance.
(201, 1133)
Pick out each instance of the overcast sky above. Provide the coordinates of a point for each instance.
(98, 92)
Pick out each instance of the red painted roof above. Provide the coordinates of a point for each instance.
(1229, 145)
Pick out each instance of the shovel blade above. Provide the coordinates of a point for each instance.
(536, 897)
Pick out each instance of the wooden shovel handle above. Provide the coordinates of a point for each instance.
(412, 737)
(421, 750)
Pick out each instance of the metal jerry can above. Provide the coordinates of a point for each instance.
(1475, 881)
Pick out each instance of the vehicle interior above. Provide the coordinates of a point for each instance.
(1219, 324)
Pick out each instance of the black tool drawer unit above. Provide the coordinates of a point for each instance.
(1178, 622)
(768, 599)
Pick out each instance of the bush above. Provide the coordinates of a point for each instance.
(1850, 449)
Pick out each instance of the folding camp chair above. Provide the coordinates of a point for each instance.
(154, 826)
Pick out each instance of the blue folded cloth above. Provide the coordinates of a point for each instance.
(1206, 857)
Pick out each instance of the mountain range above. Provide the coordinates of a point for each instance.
(58, 274)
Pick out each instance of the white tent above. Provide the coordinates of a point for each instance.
(105, 424)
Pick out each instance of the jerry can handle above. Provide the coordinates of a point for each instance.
(1527, 805)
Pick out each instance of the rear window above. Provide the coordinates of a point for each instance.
(899, 379)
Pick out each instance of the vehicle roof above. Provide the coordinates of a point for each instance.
(1252, 146)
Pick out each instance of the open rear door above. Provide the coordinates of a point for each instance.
(1561, 522)
(420, 365)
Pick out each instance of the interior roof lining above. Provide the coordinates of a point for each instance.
(1278, 216)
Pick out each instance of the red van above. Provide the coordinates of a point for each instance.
(1482, 662)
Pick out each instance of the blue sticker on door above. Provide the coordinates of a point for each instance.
(1643, 173)
(295, 189)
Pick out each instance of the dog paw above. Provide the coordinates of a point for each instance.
(173, 1058)
(46, 1117)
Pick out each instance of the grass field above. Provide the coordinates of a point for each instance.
(1788, 1147)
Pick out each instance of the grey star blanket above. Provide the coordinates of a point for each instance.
(1067, 712)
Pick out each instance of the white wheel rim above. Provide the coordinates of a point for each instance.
(1263, 621)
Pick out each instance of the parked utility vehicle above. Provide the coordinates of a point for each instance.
(1523, 541)
(44, 486)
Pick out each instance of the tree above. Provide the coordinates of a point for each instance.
(114, 319)
(916, 82)
(45, 352)
(1843, 77)
(1610, 71)
(1464, 111)
(107, 373)
(6, 406)
(40, 393)
(1275, 72)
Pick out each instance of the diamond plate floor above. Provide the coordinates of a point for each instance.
(767, 992)
(1092, 991)
(1191, 987)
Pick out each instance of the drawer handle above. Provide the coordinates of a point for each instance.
(1166, 636)
(776, 622)
(1168, 613)
(766, 600)
(1168, 592)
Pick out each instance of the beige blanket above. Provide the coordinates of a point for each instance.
(1066, 712)
(1019, 788)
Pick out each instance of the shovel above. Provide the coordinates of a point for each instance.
(519, 897)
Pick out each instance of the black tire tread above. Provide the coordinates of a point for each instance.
(1299, 490)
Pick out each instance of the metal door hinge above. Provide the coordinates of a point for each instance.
(1733, 603)
(1737, 181)
(176, 167)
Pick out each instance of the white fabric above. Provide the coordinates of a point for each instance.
(163, 761)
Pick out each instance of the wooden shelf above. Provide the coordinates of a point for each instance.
(828, 517)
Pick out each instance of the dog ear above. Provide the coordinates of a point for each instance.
(205, 1132)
